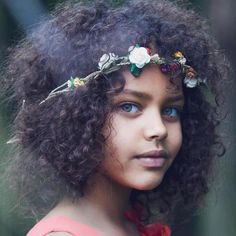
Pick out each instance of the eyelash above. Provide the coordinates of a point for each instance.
(178, 110)
(130, 104)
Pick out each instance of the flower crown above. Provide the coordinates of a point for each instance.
(137, 58)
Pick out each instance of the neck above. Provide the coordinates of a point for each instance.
(104, 203)
(107, 198)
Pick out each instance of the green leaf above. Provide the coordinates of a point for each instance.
(135, 70)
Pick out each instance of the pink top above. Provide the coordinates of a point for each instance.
(65, 224)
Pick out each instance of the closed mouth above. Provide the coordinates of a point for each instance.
(155, 158)
(153, 154)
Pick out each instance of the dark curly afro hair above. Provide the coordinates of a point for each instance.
(59, 141)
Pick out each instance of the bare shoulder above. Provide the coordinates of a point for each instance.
(59, 234)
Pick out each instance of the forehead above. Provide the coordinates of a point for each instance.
(152, 81)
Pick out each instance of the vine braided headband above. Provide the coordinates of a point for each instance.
(137, 58)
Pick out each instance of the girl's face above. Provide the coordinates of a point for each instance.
(146, 130)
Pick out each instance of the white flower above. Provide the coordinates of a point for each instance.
(190, 82)
(69, 84)
(182, 60)
(106, 60)
(139, 56)
(155, 57)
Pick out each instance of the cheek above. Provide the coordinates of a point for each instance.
(113, 149)
(113, 165)
(175, 139)
(117, 152)
(118, 137)
(113, 141)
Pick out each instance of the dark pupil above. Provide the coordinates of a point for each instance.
(168, 111)
(127, 107)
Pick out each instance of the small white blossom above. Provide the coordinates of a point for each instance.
(182, 60)
(155, 57)
(69, 84)
(106, 60)
(139, 56)
(190, 82)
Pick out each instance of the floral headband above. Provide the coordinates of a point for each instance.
(137, 58)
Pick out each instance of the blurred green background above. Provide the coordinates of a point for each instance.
(217, 216)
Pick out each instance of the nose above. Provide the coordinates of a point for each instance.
(154, 127)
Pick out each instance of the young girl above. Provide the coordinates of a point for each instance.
(113, 128)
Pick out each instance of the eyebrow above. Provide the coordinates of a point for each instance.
(145, 96)
(175, 98)
(138, 94)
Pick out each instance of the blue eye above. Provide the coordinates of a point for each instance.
(129, 107)
(172, 112)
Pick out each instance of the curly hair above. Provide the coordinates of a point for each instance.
(60, 142)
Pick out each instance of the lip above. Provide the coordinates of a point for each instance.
(154, 158)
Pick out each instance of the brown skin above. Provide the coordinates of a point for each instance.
(141, 127)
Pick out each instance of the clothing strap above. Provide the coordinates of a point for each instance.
(61, 224)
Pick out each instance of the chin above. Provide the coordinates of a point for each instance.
(148, 185)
